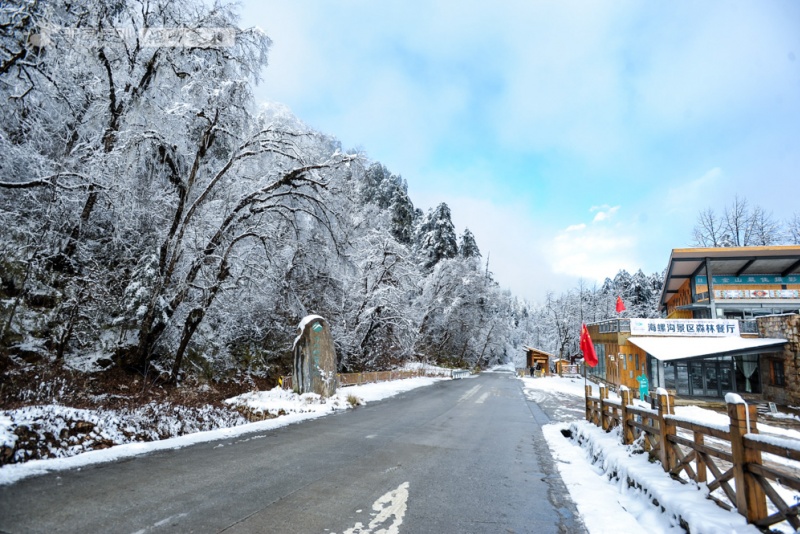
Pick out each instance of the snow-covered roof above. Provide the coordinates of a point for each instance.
(537, 351)
(679, 348)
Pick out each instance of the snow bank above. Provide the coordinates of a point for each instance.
(602, 459)
(55, 431)
(7, 438)
(279, 401)
(503, 368)
(657, 502)
(282, 407)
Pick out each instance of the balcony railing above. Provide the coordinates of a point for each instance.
(748, 326)
(614, 325)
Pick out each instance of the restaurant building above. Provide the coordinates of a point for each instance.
(730, 325)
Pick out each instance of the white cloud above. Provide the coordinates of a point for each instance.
(514, 242)
(593, 253)
(604, 213)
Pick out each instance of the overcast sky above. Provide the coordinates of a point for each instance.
(574, 139)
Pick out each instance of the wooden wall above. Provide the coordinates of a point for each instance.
(682, 298)
(684, 295)
(620, 372)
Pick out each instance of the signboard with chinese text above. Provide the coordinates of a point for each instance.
(756, 293)
(749, 279)
(685, 327)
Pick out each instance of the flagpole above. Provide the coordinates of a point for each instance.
(584, 378)
(588, 352)
(584, 367)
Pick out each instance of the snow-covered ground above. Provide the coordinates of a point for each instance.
(287, 407)
(598, 471)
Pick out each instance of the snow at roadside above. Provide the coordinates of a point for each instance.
(292, 407)
(597, 469)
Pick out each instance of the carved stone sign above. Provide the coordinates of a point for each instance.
(314, 358)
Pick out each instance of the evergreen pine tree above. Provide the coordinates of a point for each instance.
(467, 247)
(436, 239)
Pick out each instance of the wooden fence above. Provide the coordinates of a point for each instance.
(355, 379)
(727, 458)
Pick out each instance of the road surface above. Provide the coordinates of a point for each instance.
(460, 456)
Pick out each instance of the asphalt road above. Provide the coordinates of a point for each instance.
(460, 456)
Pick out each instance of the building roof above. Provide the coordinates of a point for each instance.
(537, 351)
(681, 348)
(684, 263)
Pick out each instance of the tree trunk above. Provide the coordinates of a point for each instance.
(189, 328)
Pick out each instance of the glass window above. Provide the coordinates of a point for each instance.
(777, 375)
(600, 369)
(601, 357)
(682, 379)
(655, 375)
(669, 375)
(696, 378)
(712, 380)
(747, 374)
(725, 377)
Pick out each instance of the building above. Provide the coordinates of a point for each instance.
(535, 358)
(618, 361)
(728, 326)
(734, 282)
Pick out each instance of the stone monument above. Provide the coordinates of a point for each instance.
(314, 358)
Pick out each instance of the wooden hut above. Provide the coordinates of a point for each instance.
(537, 359)
(564, 367)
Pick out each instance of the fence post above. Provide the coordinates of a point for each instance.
(625, 417)
(700, 465)
(666, 428)
(750, 499)
(603, 397)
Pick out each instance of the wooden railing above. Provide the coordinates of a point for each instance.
(727, 458)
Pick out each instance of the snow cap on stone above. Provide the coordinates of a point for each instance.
(302, 326)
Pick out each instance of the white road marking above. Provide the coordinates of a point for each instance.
(161, 523)
(469, 393)
(392, 504)
(483, 397)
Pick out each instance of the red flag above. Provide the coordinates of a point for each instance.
(620, 305)
(589, 355)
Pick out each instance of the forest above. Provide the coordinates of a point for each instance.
(158, 220)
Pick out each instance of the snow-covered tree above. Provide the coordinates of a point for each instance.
(436, 237)
(467, 247)
(154, 216)
(379, 322)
